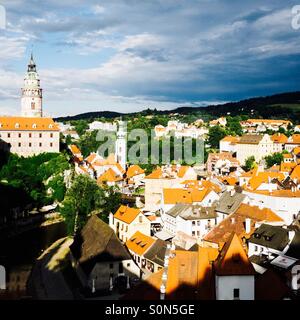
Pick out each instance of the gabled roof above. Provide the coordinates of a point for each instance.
(127, 214)
(97, 242)
(134, 170)
(109, 176)
(233, 259)
(139, 243)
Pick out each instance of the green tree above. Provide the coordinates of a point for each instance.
(83, 197)
(275, 158)
(112, 202)
(81, 126)
(215, 134)
(250, 163)
(233, 126)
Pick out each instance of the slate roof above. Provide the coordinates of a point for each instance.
(97, 242)
(294, 249)
(229, 203)
(192, 212)
(270, 236)
(157, 252)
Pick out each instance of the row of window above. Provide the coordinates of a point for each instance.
(30, 144)
(34, 126)
(29, 135)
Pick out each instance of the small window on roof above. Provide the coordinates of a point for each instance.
(257, 235)
(34, 126)
(50, 126)
(17, 125)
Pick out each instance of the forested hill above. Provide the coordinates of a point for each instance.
(284, 105)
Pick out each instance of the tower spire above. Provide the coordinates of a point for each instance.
(31, 92)
(31, 65)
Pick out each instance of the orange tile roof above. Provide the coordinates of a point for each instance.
(231, 139)
(277, 193)
(155, 174)
(75, 149)
(190, 184)
(233, 223)
(134, 170)
(287, 166)
(109, 176)
(27, 124)
(250, 173)
(176, 195)
(91, 157)
(233, 259)
(269, 121)
(279, 138)
(182, 171)
(287, 156)
(254, 212)
(263, 177)
(295, 139)
(296, 173)
(190, 275)
(126, 214)
(230, 180)
(139, 243)
(296, 150)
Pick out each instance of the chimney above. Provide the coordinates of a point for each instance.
(261, 205)
(232, 192)
(248, 225)
(232, 220)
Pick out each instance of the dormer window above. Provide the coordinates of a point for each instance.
(34, 126)
(257, 235)
(17, 125)
(50, 126)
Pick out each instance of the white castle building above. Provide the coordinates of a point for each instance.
(30, 134)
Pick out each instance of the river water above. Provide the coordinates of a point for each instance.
(19, 253)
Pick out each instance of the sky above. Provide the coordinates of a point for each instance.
(128, 55)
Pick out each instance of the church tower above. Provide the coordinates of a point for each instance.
(31, 102)
(121, 145)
